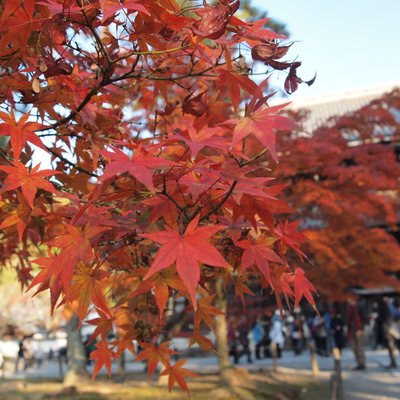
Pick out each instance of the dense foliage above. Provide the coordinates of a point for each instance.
(344, 180)
(156, 146)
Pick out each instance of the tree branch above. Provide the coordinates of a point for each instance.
(221, 203)
(80, 169)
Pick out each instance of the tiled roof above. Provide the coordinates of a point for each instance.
(340, 103)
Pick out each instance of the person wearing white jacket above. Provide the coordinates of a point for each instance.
(276, 337)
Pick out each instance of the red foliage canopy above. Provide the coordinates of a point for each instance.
(158, 146)
(344, 179)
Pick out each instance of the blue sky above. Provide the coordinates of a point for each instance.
(349, 43)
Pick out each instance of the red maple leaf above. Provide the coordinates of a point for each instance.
(256, 31)
(241, 289)
(20, 132)
(111, 7)
(290, 236)
(186, 251)
(139, 165)
(17, 21)
(64, 8)
(197, 140)
(28, 181)
(234, 82)
(44, 278)
(262, 124)
(102, 357)
(302, 287)
(258, 251)
(76, 246)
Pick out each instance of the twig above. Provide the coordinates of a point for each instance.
(80, 169)
(221, 203)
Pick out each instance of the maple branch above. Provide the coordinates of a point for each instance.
(62, 158)
(105, 81)
(151, 52)
(130, 75)
(174, 324)
(221, 203)
(74, 113)
(5, 156)
(199, 208)
(96, 36)
(257, 156)
(169, 197)
(126, 242)
(73, 135)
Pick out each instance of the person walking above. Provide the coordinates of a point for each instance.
(297, 335)
(257, 333)
(320, 333)
(389, 316)
(337, 326)
(355, 332)
(21, 355)
(277, 338)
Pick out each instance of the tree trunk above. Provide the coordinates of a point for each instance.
(221, 332)
(76, 357)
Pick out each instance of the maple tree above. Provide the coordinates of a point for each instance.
(344, 179)
(155, 145)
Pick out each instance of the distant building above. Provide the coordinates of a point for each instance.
(339, 103)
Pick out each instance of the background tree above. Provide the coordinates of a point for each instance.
(344, 180)
(253, 13)
(20, 313)
(158, 145)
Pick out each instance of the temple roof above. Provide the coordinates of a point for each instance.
(339, 103)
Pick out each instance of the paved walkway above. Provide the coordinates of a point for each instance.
(376, 383)
(372, 385)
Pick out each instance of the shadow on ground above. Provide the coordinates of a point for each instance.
(255, 386)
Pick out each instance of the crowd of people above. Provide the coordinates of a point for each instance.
(27, 355)
(271, 332)
(32, 356)
(267, 334)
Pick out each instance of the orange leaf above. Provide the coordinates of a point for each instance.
(155, 354)
(177, 374)
(28, 181)
(86, 287)
(205, 312)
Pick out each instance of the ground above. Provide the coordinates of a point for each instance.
(376, 383)
(267, 385)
